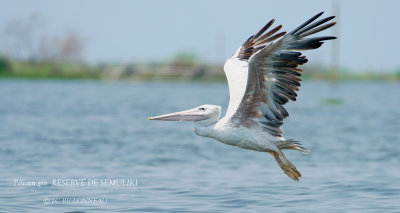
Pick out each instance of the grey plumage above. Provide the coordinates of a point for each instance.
(273, 76)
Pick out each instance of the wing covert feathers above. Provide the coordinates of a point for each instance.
(273, 76)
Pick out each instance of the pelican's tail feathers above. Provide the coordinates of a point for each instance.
(292, 144)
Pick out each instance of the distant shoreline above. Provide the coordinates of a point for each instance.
(174, 71)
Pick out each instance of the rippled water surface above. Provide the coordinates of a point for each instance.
(52, 129)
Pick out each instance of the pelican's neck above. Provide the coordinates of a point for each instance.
(203, 130)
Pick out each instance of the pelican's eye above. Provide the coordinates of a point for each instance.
(202, 109)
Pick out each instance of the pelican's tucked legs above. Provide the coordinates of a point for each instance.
(287, 167)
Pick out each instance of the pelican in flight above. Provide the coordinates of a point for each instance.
(262, 77)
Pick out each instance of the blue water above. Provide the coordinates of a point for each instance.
(52, 129)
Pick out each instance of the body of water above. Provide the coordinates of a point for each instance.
(87, 146)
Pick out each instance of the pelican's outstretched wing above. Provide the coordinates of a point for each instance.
(263, 73)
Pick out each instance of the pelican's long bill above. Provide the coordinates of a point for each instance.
(187, 115)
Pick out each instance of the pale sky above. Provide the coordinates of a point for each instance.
(140, 31)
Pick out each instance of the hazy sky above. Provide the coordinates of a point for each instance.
(123, 31)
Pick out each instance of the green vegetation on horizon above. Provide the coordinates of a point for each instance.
(181, 69)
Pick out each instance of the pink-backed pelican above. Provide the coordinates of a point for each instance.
(262, 77)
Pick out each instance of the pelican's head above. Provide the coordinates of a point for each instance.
(204, 115)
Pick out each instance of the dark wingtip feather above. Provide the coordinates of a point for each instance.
(274, 37)
(318, 29)
(307, 22)
(262, 39)
(316, 24)
(324, 38)
(264, 29)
